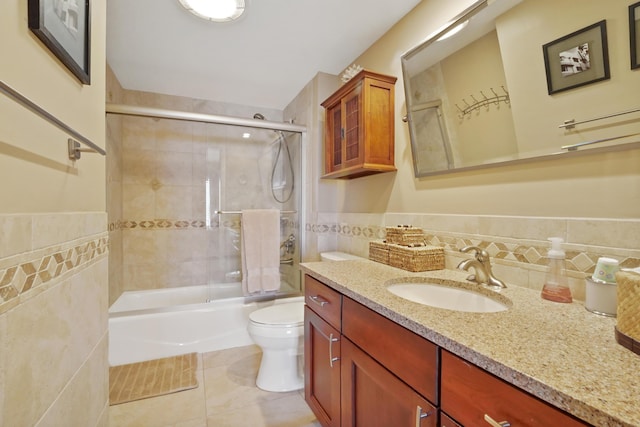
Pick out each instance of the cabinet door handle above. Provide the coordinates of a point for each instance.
(318, 300)
(495, 423)
(420, 415)
(331, 358)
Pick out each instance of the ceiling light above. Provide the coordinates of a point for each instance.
(215, 10)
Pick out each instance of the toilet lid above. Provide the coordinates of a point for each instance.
(280, 314)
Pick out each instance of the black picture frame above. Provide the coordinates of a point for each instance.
(634, 34)
(64, 27)
(577, 59)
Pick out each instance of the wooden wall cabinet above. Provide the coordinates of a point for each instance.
(359, 127)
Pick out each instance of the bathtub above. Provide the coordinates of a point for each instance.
(146, 325)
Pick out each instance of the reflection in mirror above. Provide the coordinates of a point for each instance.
(479, 97)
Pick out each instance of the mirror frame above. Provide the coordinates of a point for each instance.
(569, 151)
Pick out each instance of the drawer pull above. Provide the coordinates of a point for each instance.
(318, 300)
(420, 415)
(495, 423)
(331, 358)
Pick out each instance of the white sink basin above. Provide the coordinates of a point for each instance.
(442, 296)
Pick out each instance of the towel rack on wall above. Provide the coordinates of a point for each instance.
(73, 144)
(571, 123)
(239, 212)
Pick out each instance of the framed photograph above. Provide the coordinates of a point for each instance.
(577, 59)
(634, 34)
(63, 26)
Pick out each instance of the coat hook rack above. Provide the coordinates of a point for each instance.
(486, 102)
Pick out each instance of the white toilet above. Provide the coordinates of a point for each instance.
(279, 331)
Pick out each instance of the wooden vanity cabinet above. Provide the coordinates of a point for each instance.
(322, 349)
(359, 127)
(364, 370)
(470, 393)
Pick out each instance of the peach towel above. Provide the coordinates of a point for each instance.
(260, 250)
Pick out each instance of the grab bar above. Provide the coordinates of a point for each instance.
(570, 124)
(72, 146)
(239, 212)
(574, 147)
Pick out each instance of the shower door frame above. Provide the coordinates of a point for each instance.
(160, 113)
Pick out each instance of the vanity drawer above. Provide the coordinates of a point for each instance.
(323, 300)
(468, 393)
(410, 357)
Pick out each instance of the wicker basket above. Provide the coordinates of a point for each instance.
(379, 251)
(419, 258)
(405, 235)
(628, 324)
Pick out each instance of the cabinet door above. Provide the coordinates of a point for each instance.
(352, 127)
(322, 369)
(374, 397)
(445, 421)
(333, 138)
(470, 395)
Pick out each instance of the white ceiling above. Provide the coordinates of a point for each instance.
(262, 60)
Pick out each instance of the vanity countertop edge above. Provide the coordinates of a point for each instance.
(560, 353)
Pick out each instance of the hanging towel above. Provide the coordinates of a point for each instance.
(260, 250)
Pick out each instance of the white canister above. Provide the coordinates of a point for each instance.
(601, 297)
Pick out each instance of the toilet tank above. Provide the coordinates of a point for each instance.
(337, 256)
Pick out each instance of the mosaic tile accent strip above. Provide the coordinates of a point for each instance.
(577, 261)
(176, 224)
(17, 280)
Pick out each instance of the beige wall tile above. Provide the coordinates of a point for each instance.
(174, 136)
(4, 354)
(52, 228)
(174, 168)
(522, 227)
(609, 233)
(140, 276)
(138, 133)
(15, 234)
(83, 399)
(174, 202)
(139, 166)
(50, 337)
(138, 202)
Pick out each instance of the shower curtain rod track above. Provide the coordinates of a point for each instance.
(133, 110)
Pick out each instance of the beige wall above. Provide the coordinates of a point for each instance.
(594, 186)
(33, 153)
(53, 240)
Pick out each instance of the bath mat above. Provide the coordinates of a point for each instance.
(152, 378)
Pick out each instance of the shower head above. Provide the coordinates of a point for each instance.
(258, 116)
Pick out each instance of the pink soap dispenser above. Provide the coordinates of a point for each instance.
(556, 286)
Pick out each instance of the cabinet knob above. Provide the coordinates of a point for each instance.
(420, 415)
(495, 423)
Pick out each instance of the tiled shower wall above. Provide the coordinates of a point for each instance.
(53, 320)
(157, 209)
(517, 245)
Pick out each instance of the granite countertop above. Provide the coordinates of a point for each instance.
(561, 353)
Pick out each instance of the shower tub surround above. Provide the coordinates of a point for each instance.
(146, 325)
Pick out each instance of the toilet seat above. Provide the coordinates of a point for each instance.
(279, 315)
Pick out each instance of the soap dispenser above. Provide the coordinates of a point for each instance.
(556, 287)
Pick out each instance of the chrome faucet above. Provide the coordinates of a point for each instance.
(482, 268)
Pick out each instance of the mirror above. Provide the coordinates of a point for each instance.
(477, 94)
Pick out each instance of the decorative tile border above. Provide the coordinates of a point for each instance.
(45, 265)
(182, 224)
(577, 261)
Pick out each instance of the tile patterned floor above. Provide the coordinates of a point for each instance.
(225, 397)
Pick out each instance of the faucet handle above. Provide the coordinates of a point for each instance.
(480, 254)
